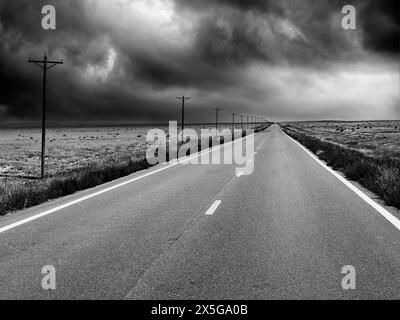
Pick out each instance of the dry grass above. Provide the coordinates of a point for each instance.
(71, 153)
(67, 149)
(368, 152)
(370, 137)
(16, 196)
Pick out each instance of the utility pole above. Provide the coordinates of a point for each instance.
(247, 126)
(233, 125)
(216, 118)
(233, 121)
(183, 98)
(241, 121)
(45, 65)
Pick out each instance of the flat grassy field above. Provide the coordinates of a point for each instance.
(70, 152)
(369, 137)
(67, 149)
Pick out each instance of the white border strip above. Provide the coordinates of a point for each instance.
(95, 194)
(390, 217)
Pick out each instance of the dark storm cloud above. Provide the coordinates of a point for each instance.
(80, 41)
(225, 37)
(22, 38)
(377, 21)
(231, 30)
(381, 26)
(176, 69)
(255, 5)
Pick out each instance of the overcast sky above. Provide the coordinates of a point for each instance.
(127, 60)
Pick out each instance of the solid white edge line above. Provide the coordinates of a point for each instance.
(71, 203)
(213, 207)
(390, 217)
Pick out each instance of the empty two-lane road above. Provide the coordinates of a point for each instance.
(202, 232)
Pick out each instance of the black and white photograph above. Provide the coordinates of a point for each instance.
(199, 155)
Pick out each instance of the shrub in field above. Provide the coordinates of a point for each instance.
(389, 184)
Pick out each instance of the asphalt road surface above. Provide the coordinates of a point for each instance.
(200, 232)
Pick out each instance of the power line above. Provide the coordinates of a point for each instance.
(45, 64)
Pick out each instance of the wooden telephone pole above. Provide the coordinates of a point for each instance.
(233, 125)
(216, 118)
(183, 98)
(233, 121)
(45, 64)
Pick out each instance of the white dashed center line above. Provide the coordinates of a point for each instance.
(214, 207)
(239, 174)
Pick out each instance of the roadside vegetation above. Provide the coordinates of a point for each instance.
(18, 193)
(378, 171)
(35, 191)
